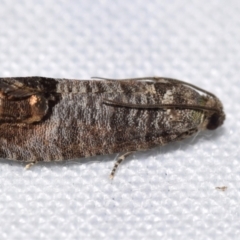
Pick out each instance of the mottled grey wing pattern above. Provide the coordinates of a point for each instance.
(44, 119)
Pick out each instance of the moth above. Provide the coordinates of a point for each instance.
(47, 119)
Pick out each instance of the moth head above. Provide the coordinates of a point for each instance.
(216, 116)
(215, 120)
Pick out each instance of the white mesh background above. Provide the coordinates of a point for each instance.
(164, 193)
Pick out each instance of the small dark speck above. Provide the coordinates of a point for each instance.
(223, 188)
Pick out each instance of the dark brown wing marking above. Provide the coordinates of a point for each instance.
(27, 100)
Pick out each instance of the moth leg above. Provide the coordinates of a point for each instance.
(120, 159)
(31, 164)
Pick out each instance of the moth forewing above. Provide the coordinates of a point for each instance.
(61, 119)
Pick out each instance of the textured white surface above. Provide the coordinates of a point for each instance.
(164, 193)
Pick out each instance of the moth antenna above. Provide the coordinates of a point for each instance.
(158, 106)
(190, 85)
(125, 79)
(160, 78)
